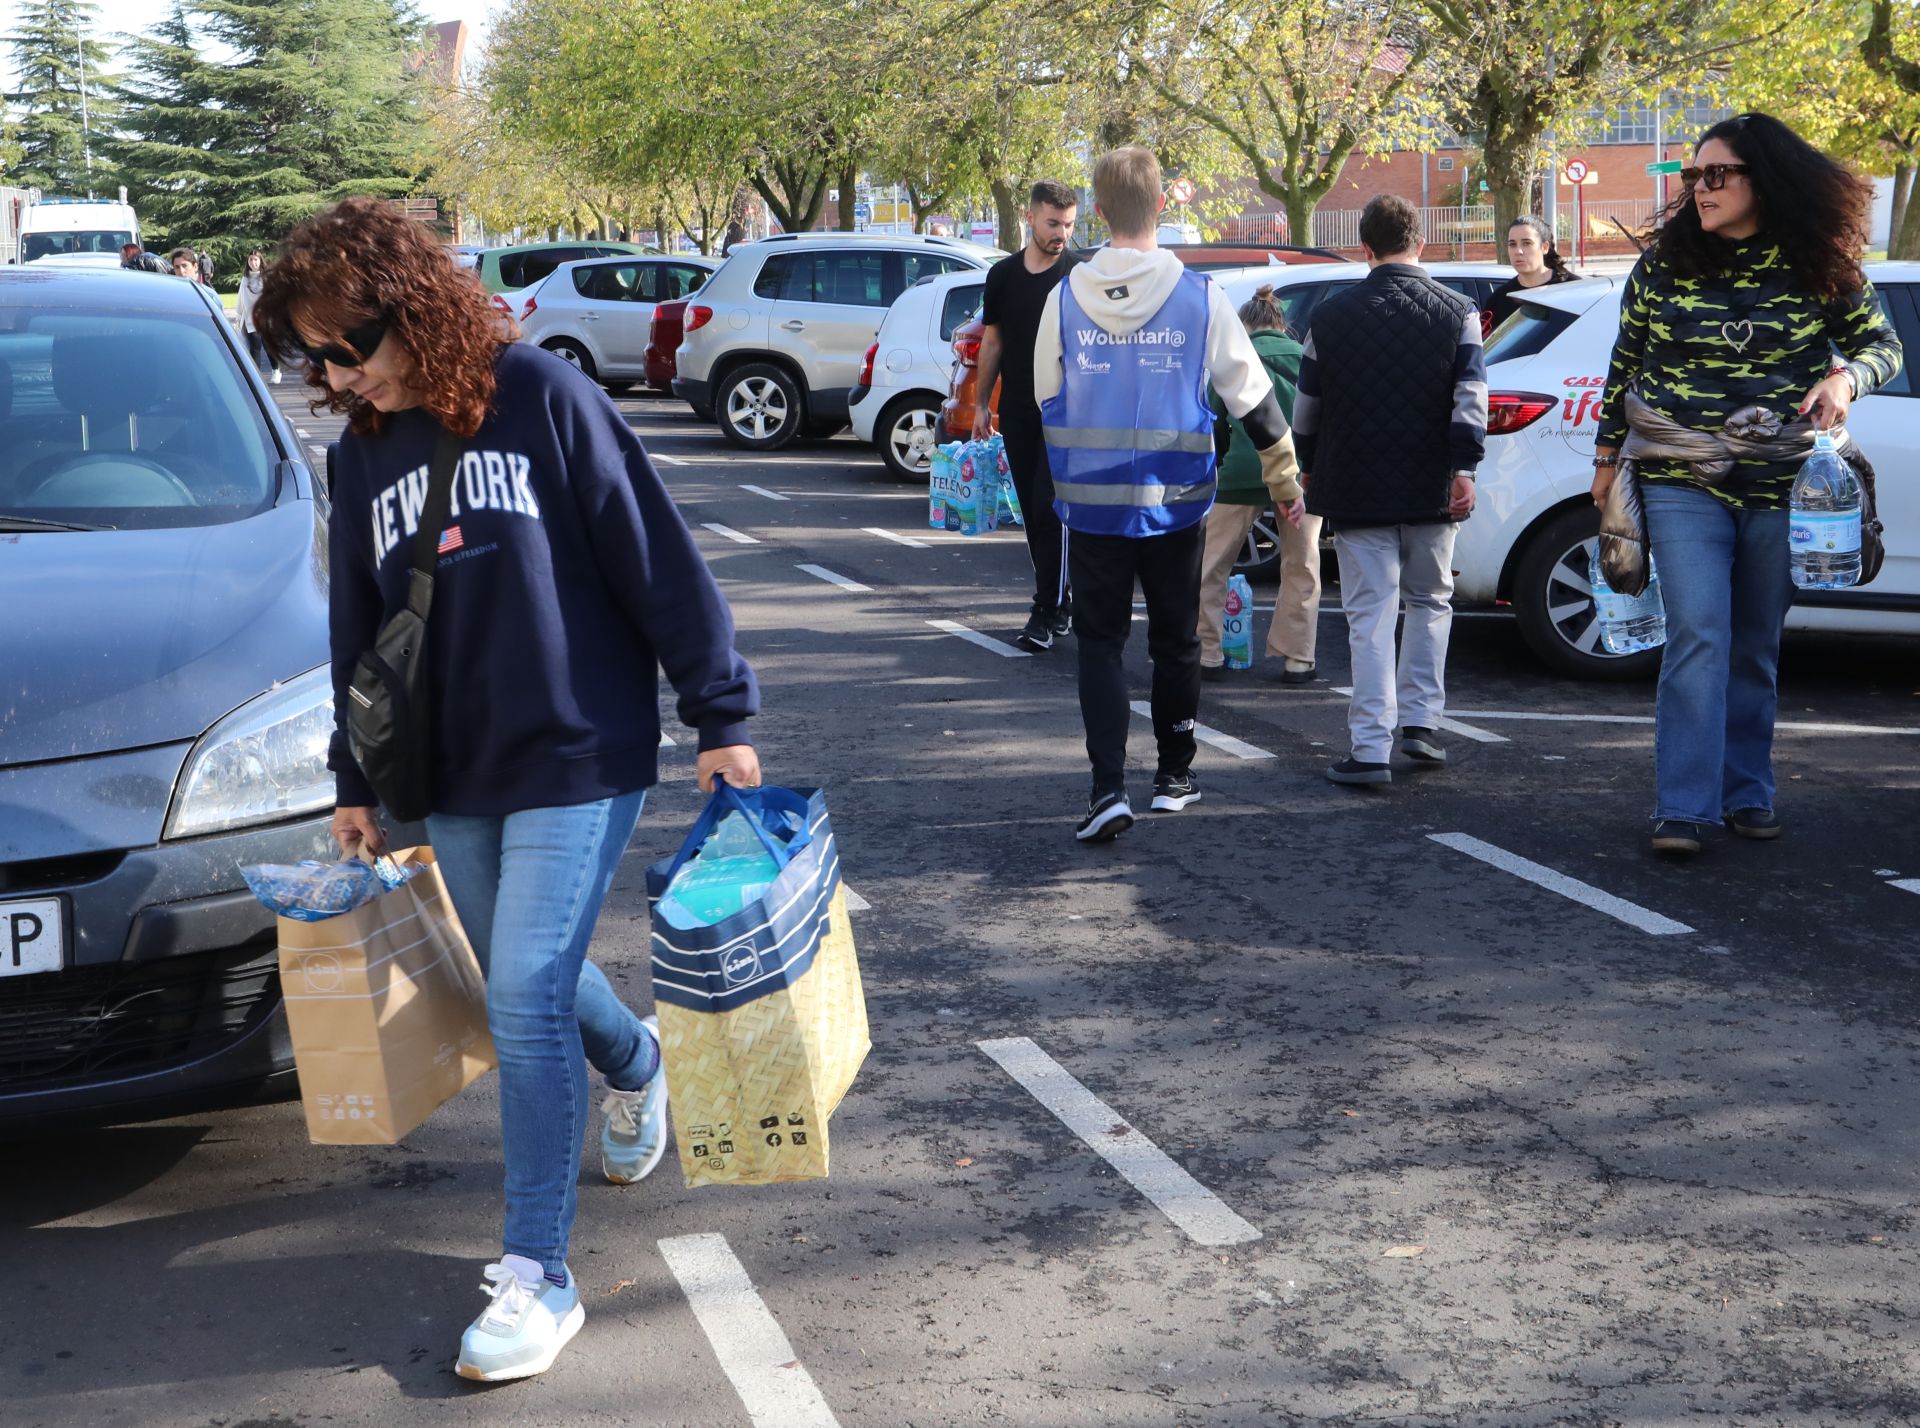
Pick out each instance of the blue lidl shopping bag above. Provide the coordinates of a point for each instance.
(763, 1022)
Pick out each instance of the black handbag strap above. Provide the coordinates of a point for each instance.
(433, 520)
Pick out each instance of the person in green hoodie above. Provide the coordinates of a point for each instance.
(1241, 497)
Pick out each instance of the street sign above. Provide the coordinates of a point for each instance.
(1183, 190)
(863, 213)
(1669, 166)
(1576, 171)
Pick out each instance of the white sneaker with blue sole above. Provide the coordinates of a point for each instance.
(523, 1330)
(634, 1136)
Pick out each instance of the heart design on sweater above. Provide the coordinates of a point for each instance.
(1738, 334)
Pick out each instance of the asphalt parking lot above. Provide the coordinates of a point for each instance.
(1438, 1104)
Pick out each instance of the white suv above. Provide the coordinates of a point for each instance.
(598, 313)
(773, 343)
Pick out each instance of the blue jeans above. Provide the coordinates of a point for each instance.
(1727, 581)
(528, 888)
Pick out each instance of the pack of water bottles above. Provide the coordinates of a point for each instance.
(1824, 529)
(313, 891)
(732, 871)
(969, 488)
(1236, 624)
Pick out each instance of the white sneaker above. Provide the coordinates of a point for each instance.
(276, 376)
(634, 1136)
(522, 1330)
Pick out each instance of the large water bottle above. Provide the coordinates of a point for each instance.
(1825, 537)
(1236, 624)
(1628, 623)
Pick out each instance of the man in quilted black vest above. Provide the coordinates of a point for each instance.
(1390, 424)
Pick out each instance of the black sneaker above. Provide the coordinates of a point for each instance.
(1754, 823)
(1357, 771)
(1215, 673)
(1673, 836)
(1063, 621)
(1037, 636)
(1108, 816)
(1173, 792)
(1421, 746)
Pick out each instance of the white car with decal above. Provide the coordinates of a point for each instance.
(1528, 542)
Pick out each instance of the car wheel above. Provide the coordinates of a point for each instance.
(759, 407)
(620, 389)
(905, 436)
(569, 351)
(1259, 557)
(1553, 601)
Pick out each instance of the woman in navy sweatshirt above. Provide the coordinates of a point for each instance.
(565, 582)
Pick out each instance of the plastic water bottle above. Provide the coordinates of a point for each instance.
(1236, 624)
(965, 502)
(1628, 623)
(1825, 530)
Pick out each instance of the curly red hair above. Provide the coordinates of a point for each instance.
(364, 261)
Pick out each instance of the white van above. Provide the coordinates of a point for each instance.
(77, 232)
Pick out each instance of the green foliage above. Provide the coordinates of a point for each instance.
(317, 101)
(46, 145)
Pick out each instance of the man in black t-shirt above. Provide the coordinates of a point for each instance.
(1017, 289)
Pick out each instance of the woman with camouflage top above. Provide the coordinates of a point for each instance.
(1735, 312)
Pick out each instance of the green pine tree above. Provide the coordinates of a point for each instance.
(317, 101)
(54, 127)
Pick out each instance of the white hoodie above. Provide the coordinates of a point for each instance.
(1121, 289)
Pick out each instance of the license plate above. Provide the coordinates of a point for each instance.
(32, 937)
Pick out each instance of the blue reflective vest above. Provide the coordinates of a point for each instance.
(1130, 434)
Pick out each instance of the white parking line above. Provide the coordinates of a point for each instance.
(762, 491)
(1911, 885)
(301, 431)
(1226, 743)
(319, 451)
(1630, 913)
(754, 1351)
(895, 537)
(1202, 1214)
(670, 460)
(855, 903)
(666, 740)
(820, 572)
(737, 537)
(1784, 726)
(1465, 731)
(974, 637)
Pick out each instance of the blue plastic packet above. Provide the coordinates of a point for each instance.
(313, 891)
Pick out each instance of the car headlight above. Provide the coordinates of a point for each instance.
(265, 762)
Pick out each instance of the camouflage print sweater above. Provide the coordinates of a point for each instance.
(1699, 349)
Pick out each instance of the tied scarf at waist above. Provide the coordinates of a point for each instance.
(1753, 433)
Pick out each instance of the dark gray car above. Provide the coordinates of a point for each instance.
(164, 699)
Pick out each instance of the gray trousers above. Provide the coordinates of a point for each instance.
(1381, 567)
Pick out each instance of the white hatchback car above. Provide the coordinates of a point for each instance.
(1531, 536)
(905, 376)
(597, 313)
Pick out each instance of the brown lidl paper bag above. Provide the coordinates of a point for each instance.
(387, 1010)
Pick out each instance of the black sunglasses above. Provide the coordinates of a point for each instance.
(362, 342)
(1712, 177)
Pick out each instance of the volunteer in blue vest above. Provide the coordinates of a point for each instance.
(1127, 348)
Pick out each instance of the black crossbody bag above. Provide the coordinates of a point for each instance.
(389, 703)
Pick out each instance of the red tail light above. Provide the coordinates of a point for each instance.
(528, 310)
(866, 367)
(1508, 412)
(502, 304)
(967, 349)
(698, 317)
